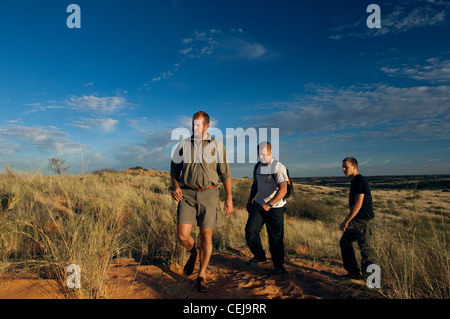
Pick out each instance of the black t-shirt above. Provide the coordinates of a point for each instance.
(359, 185)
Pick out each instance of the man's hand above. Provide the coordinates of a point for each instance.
(228, 207)
(177, 194)
(264, 208)
(359, 198)
(343, 225)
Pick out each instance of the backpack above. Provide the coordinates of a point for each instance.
(290, 187)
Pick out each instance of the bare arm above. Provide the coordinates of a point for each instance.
(353, 211)
(177, 194)
(282, 190)
(229, 198)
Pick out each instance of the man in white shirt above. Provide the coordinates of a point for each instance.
(270, 184)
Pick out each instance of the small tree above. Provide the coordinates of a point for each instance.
(56, 165)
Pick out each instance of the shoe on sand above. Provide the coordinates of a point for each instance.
(280, 271)
(255, 261)
(350, 276)
(201, 285)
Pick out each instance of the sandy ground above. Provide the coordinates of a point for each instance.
(228, 277)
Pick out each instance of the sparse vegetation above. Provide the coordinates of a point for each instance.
(49, 222)
(55, 165)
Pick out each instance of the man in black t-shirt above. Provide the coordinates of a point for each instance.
(356, 225)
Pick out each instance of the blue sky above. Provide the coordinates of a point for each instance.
(109, 94)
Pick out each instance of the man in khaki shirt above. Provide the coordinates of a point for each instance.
(199, 164)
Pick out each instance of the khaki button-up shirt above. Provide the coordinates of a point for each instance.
(199, 165)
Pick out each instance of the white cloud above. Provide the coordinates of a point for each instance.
(403, 17)
(186, 40)
(5, 151)
(200, 43)
(35, 145)
(85, 103)
(97, 104)
(232, 45)
(436, 70)
(186, 51)
(8, 148)
(162, 76)
(107, 125)
(80, 124)
(413, 112)
(153, 151)
(401, 21)
(45, 139)
(104, 125)
(235, 48)
(225, 45)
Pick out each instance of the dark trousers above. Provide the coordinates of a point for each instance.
(361, 232)
(274, 221)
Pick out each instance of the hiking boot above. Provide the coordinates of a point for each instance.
(281, 271)
(190, 264)
(255, 261)
(350, 276)
(201, 285)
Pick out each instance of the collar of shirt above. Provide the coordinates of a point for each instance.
(207, 138)
(268, 164)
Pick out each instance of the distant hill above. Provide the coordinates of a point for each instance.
(385, 182)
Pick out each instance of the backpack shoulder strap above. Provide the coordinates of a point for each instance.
(254, 170)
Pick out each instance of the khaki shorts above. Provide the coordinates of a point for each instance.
(201, 208)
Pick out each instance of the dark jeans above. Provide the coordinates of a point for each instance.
(274, 220)
(361, 232)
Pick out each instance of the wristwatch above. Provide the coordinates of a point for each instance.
(269, 204)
